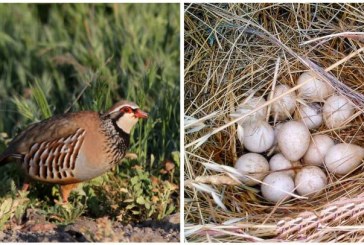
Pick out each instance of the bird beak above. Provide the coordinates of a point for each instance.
(140, 114)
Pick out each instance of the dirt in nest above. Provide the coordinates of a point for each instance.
(90, 230)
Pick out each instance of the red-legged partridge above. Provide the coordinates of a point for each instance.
(75, 147)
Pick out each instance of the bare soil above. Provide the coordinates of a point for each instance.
(94, 230)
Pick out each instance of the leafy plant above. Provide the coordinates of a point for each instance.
(65, 213)
(13, 207)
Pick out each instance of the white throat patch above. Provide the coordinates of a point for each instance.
(127, 122)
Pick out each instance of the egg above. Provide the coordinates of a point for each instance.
(317, 150)
(313, 89)
(253, 165)
(310, 115)
(310, 180)
(283, 107)
(246, 107)
(279, 162)
(277, 186)
(293, 140)
(342, 158)
(258, 137)
(337, 109)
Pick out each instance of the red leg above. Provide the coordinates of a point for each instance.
(25, 186)
(66, 190)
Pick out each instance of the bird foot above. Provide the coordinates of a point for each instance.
(23, 192)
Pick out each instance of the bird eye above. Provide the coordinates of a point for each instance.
(126, 110)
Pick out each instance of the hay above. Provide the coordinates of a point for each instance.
(233, 51)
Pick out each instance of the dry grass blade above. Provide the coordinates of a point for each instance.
(349, 34)
(193, 122)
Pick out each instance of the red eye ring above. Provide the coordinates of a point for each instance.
(126, 109)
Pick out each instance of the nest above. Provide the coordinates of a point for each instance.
(233, 51)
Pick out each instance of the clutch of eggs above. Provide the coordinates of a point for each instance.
(301, 159)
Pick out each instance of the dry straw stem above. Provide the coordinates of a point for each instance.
(232, 52)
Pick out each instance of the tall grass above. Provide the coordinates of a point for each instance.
(56, 58)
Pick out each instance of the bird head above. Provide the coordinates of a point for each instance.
(126, 114)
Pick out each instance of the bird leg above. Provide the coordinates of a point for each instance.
(25, 186)
(66, 190)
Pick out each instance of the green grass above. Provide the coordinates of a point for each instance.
(57, 58)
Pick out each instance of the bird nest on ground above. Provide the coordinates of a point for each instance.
(234, 52)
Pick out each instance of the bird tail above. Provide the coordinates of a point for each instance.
(7, 157)
(4, 159)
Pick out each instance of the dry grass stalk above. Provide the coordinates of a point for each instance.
(217, 180)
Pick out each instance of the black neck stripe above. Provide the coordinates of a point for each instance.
(121, 132)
